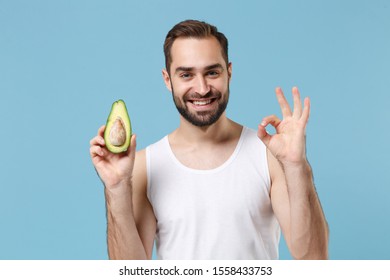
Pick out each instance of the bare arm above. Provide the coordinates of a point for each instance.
(129, 235)
(293, 194)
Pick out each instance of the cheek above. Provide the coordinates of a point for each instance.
(180, 89)
(221, 85)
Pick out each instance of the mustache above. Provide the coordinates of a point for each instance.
(208, 95)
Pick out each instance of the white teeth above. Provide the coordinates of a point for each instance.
(202, 103)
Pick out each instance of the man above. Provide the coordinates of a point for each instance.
(212, 189)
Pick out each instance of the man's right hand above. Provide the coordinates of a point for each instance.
(113, 169)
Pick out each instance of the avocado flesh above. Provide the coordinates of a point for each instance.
(118, 128)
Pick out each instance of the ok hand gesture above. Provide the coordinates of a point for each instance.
(288, 144)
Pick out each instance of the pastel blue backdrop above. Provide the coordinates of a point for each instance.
(63, 63)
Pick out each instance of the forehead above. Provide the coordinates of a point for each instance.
(193, 52)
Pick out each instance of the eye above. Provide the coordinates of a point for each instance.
(185, 75)
(213, 73)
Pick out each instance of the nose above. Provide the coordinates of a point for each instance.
(202, 87)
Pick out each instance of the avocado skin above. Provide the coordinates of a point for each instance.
(118, 109)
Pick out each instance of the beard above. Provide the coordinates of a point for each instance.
(202, 118)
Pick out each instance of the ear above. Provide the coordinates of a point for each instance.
(230, 71)
(167, 79)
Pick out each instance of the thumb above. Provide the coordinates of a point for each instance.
(263, 135)
(133, 145)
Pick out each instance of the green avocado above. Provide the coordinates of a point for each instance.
(118, 128)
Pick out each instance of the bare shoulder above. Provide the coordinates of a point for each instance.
(143, 211)
(275, 169)
(139, 172)
(278, 192)
(279, 195)
(139, 184)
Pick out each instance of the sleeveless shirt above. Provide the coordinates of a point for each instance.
(221, 213)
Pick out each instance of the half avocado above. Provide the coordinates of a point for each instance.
(118, 128)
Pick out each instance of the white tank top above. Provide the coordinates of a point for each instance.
(221, 213)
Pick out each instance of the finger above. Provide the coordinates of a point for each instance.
(101, 130)
(286, 111)
(133, 146)
(97, 140)
(297, 103)
(306, 110)
(96, 151)
(263, 135)
(272, 120)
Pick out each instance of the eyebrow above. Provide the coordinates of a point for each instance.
(189, 69)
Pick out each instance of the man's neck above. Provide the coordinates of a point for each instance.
(222, 130)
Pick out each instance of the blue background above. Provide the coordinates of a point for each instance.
(63, 63)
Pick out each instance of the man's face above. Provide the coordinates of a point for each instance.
(199, 80)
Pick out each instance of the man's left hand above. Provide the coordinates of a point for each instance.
(288, 144)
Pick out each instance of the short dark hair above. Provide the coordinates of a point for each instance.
(193, 29)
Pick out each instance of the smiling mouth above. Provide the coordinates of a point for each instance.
(202, 102)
